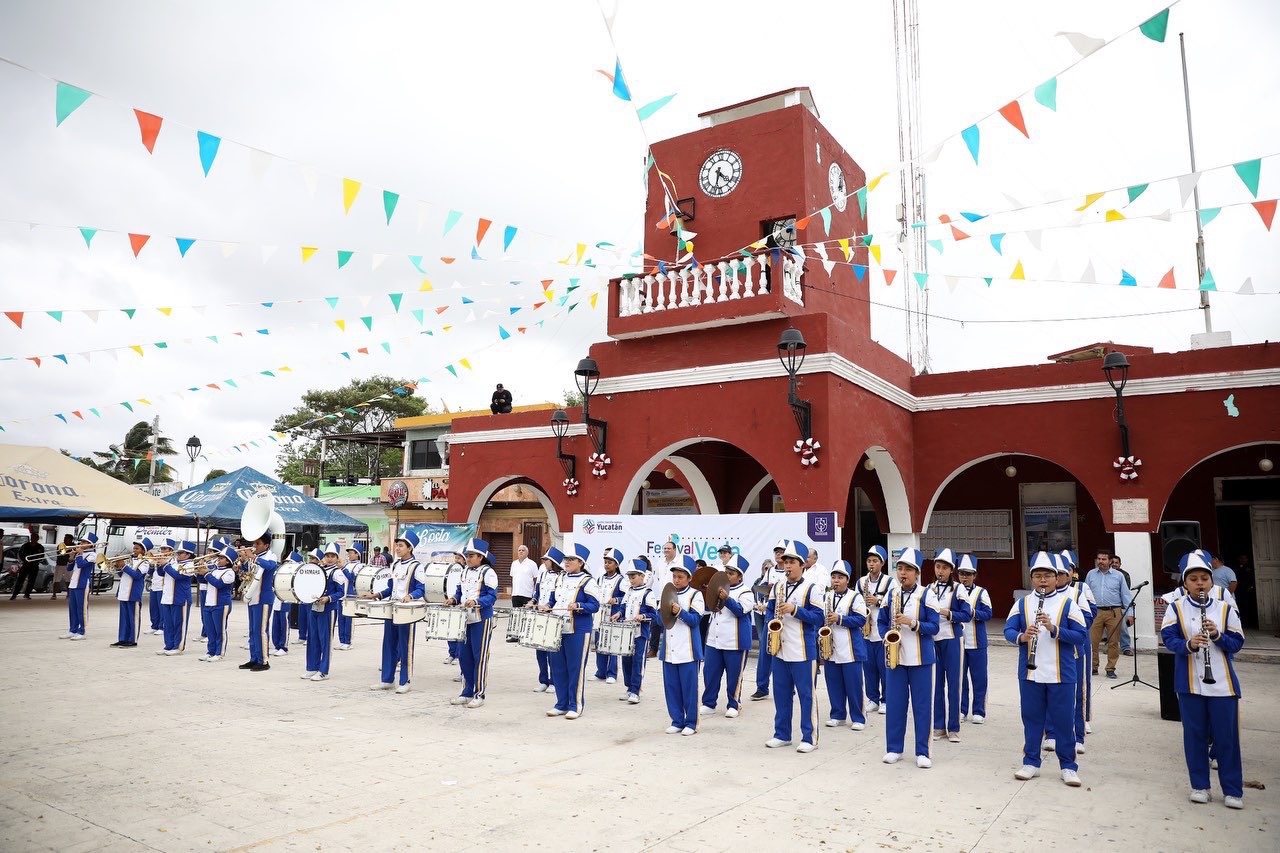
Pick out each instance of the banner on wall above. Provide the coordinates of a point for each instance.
(434, 537)
(668, 502)
(700, 536)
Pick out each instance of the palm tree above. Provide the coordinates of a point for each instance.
(119, 460)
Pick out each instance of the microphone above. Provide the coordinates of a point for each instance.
(1140, 586)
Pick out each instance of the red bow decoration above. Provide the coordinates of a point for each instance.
(1127, 466)
(808, 450)
(599, 465)
(571, 486)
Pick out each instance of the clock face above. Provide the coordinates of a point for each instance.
(720, 173)
(839, 192)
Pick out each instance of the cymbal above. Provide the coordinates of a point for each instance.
(701, 577)
(711, 595)
(668, 598)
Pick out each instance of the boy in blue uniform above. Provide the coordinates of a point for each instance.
(1084, 600)
(729, 639)
(764, 660)
(155, 591)
(637, 606)
(797, 606)
(543, 588)
(911, 681)
(953, 612)
(846, 613)
(355, 562)
(1210, 709)
(402, 584)
(1054, 622)
(78, 587)
(260, 602)
(133, 573)
(215, 605)
(478, 588)
(573, 598)
(681, 651)
(973, 675)
(177, 599)
(874, 589)
(319, 616)
(609, 591)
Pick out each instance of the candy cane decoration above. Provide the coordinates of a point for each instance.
(808, 450)
(1127, 466)
(571, 486)
(599, 465)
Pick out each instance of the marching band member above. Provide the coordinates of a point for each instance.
(259, 554)
(729, 640)
(795, 604)
(1205, 640)
(1084, 600)
(478, 588)
(637, 606)
(319, 616)
(354, 557)
(659, 577)
(78, 586)
(155, 591)
(874, 587)
(845, 614)
(572, 598)
(280, 612)
(215, 602)
(764, 660)
(451, 580)
(1053, 622)
(543, 587)
(911, 681)
(609, 592)
(681, 651)
(403, 584)
(953, 611)
(132, 574)
(163, 584)
(974, 673)
(315, 557)
(177, 598)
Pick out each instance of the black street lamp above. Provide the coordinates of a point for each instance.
(791, 350)
(1116, 368)
(587, 376)
(560, 426)
(193, 453)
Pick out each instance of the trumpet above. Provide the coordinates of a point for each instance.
(826, 637)
(1204, 632)
(1035, 638)
(103, 559)
(893, 639)
(774, 642)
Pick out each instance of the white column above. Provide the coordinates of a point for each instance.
(898, 541)
(1134, 550)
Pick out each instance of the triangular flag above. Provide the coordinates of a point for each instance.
(368, 322)
(1186, 184)
(1247, 287)
(1083, 44)
(363, 350)
(1267, 210)
(957, 235)
(936, 245)
(129, 312)
(1012, 113)
(953, 281)
(653, 106)
(1047, 94)
(593, 299)
(1167, 282)
(1207, 283)
(259, 162)
(861, 195)
(922, 278)
(451, 219)
(350, 189)
(464, 363)
(168, 312)
(417, 315)
(889, 275)
(67, 100)
(343, 257)
(1089, 200)
(974, 217)
(1155, 28)
(87, 234)
(92, 315)
(1114, 216)
(267, 252)
(1135, 191)
(332, 300)
(619, 84)
(875, 251)
(1249, 172)
(184, 243)
(503, 334)
(341, 324)
(450, 368)
(971, 139)
(389, 202)
(844, 247)
(138, 350)
(416, 260)
(508, 234)
(1127, 280)
(1018, 274)
(57, 315)
(860, 272)
(309, 177)
(137, 241)
(208, 149)
(482, 228)
(425, 287)
(150, 126)
(376, 259)
(16, 317)
(1208, 214)
(386, 345)
(996, 240)
(395, 300)
(307, 252)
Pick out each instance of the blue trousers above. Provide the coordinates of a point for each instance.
(177, 617)
(473, 656)
(280, 626)
(397, 648)
(344, 629)
(731, 665)
(319, 636)
(258, 619)
(544, 667)
(1216, 718)
(304, 624)
(764, 660)
(569, 669)
(633, 666)
(873, 671)
(1084, 693)
(76, 600)
(680, 682)
(606, 666)
(946, 687)
(1044, 704)
(455, 648)
(130, 615)
(844, 689)
(902, 686)
(215, 618)
(974, 672)
(794, 678)
(157, 619)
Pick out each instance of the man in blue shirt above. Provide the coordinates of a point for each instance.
(1223, 575)
(1112, 595)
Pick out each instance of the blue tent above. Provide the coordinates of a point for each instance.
(220, 503)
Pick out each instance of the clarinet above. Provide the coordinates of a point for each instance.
(1208, 669)
(1035, 638)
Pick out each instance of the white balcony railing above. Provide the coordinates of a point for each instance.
(716, 281)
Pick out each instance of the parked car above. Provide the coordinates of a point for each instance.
(44, 570)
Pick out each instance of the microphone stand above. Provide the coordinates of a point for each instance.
(1133, 637)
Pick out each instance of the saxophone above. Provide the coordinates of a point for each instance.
(866, 590)
(774, 643)
(826, 637)
(893, 639)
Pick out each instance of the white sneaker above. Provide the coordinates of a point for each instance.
(774, 743)
(160, 651)
(687, 732)
(1049, 744)
(673, 730)
(633, 699)
(891, 757)
(1199, 796)
(214, 658)
(882, 710)
(309, 673)
(856, 726)
(939, 734)
(805, 746)
(459, 700)
(68, 636)
(870, 707)
(457, 679)
(571, 715)
(173, 652)
(1026, 772)
(953, 737)
(476, 703)
(831, 724)
(977, 719)
(1088, 728)
(708, 709)
(624, 697)
(402, 689)
(320, 676)
(731, 713)
(1079, 748)
(541, 688)
(1071, 778)
(203, 658)
(1233, 802)
(76, 637)
(273, 653)
(555, 712)
(924, 762)
(381, 685)
(611, 681)
(448, 659)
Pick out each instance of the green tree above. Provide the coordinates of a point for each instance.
(215, 474)
(571, 399)
(118, 460)
(345, 410)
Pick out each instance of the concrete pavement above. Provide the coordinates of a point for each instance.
(114, 749)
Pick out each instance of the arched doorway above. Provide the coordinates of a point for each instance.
(715, 475)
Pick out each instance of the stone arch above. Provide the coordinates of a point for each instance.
(1156, 517)
(700, 488)
(754, 494)
(897, 505)
(942, 487)
(487, 491)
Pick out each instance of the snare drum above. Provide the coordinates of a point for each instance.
(370, 579)
(515, 625)
(435, 578)
(380, 609)
(619, 638)
(351, 608)
(361, 606)
(447, 623)
(544, 631)
(299, 584)
(408, 612)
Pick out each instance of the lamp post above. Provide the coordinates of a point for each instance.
(193, 453)
(1116, 368)
(791, 350)
(587, 376)
(559, 426)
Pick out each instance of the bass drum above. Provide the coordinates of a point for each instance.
(435, 577)
(370, 579)
(299, 584)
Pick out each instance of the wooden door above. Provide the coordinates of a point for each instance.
(1265, 520)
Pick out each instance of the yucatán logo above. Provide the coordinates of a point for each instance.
(590, 526)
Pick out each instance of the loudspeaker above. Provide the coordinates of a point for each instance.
(310, 538)
(1177, 539)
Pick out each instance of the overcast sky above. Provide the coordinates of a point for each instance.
(494, 109)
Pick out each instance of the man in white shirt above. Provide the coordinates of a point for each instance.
(816, 573)
(524, 574)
